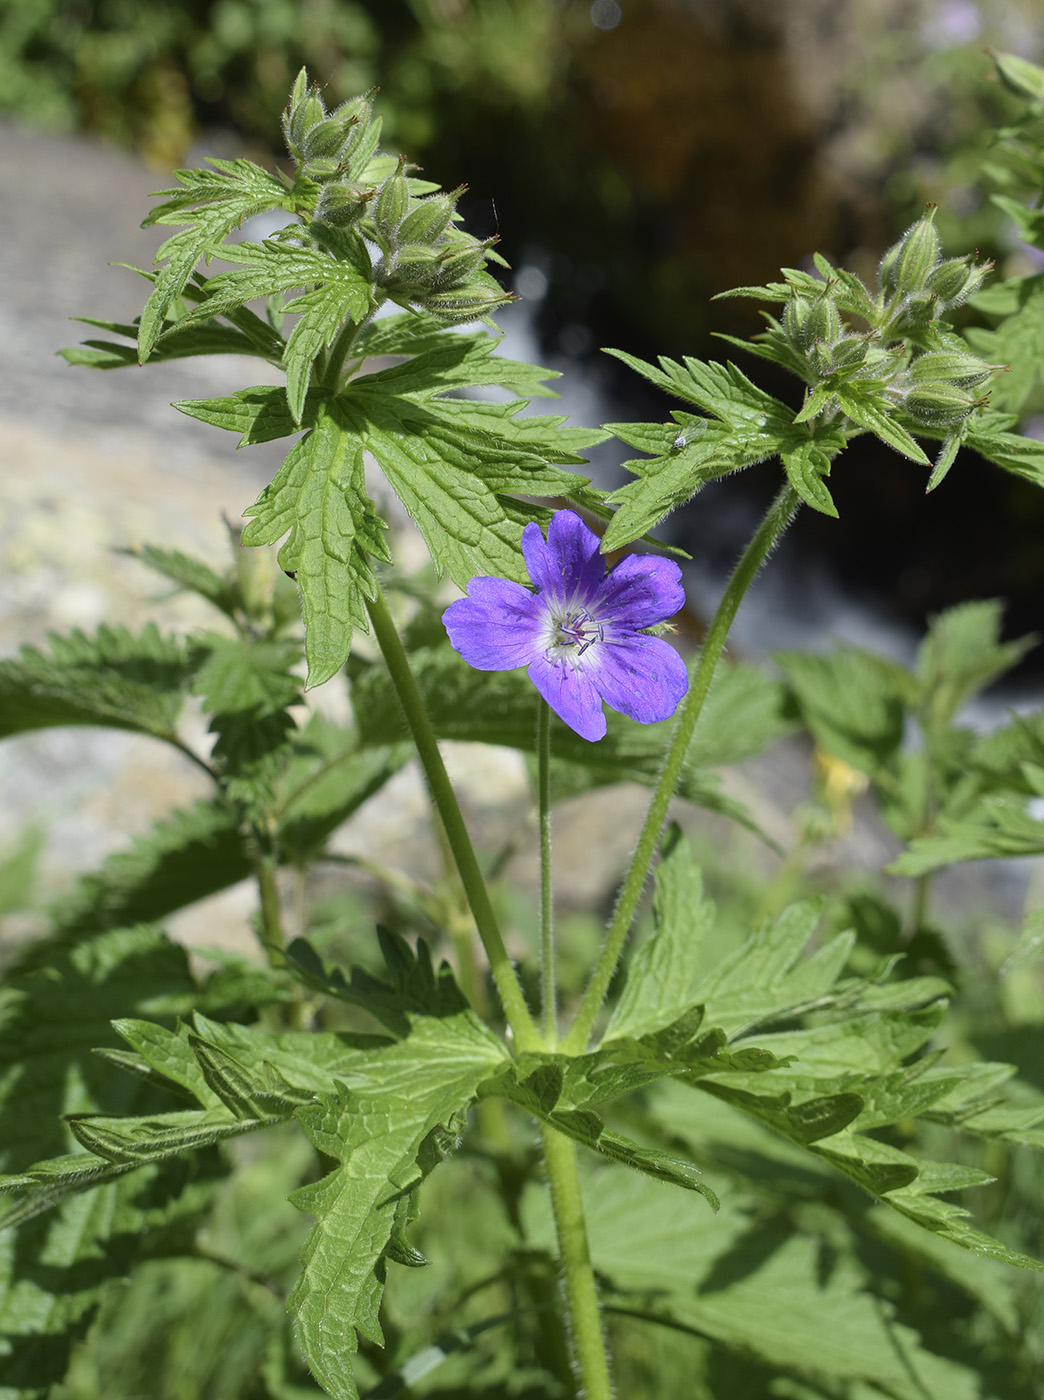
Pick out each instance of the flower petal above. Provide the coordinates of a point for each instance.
(642, 677)
(568, 566)
(571, 694)
(641, 590)
(498, 626)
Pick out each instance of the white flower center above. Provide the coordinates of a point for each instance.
(570, 631)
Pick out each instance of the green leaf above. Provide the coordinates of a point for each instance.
(1017, 342)
(319, 496)
(753, 1288)
(806, 466)
(247, 689)
(114, 679)
(870, 410)
(56, 1004)
(997, 826)
(260, 414)
(341, 292)
(1022, 456)
(224, 197)
(661, 973)
(183, 858)
(400, 1117)
(852, 701)
(192, 574)
(962, 654)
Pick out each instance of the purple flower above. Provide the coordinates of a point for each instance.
(581, 633)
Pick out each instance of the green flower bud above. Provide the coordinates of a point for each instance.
(414, 268)
(941, 405)
(341, 203)
(469, 303)
(956, 279)
(953, 365)
(392, 203)
(428, 220)
(458, 264)
(849, 350)
(794, 318)
(323, 138)
(907, 264)
(300, 118)
(823, 322)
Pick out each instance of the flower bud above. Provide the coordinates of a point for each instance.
(393, 202)
(823, 322)
(907, 264)
(940, 405)
(341, 203)
(299, 119)
(794, 318)
(954, 365)
(322, 139)
(956, 279)
(469, 303)
(415, 268)
(429, 219)
(458, 264)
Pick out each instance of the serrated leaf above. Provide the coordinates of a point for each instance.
(192, 574)
(319, 496)
(260, 414)
(183, 858)
(806, 465)
(661, 973)
(852, 701)
(224, 197)
(57, 1003)
(388, 1131)
(997, 826)
(114, 679)
(247, 689)
(961, 654)
(865, 407)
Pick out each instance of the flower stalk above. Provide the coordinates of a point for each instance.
(547, 931)
(776, 519)
(527, 1036)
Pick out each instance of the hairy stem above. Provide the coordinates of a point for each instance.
(527, 1037)
(547, 928)
(776, 519)
(585, 1320)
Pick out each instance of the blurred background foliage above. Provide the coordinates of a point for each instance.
(639, 156)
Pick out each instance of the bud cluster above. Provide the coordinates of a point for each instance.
(424, 260)
(938, 388)
(919, 285)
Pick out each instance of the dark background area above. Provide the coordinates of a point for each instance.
(644, 154)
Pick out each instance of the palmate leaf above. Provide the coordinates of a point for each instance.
(751, 427)
(828, 1083)
(319, 496)
(1017, 341)
(211, 203)
(114, 679)
(852, 701)
(455, 464)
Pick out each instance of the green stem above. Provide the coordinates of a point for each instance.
(776, 519)
(547, 928)
(271, 912)
(527, 1037)
(588, 1340)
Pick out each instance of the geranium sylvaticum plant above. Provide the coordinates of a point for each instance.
(736, 1141)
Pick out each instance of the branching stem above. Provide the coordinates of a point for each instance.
(776, 519)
